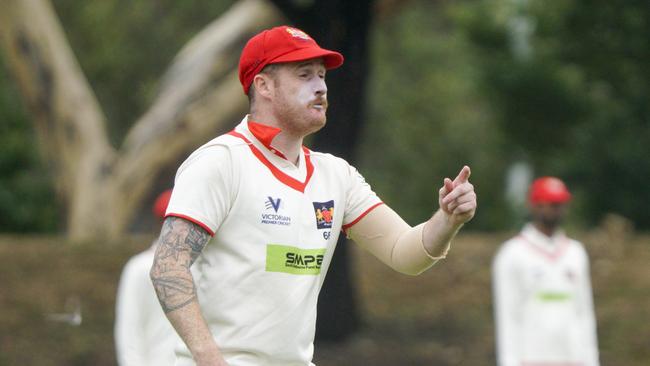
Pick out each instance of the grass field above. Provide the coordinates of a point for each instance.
(443, 317)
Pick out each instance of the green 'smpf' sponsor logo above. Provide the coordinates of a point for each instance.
(292, 260)
(553, 296)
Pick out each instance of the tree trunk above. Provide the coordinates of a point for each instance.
(69, 123)
(342, 26)
(200, 95)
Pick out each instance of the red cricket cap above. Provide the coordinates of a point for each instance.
(281, 44)
(160, 205)
(548, 190)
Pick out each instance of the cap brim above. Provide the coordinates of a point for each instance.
(553, 198)
(332, 59)
(564, 198)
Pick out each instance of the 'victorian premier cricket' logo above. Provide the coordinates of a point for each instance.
(274, 218)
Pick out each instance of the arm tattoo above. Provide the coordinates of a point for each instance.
(180, 243)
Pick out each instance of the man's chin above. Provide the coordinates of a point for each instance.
(552, 223)
(307, 126)
(317, 125)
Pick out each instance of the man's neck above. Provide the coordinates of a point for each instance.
(289, 145)
(544, 229)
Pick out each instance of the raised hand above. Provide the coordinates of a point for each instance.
(457, 198)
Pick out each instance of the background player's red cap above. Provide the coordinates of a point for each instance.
(160, 205)
(281, 44)
(548, 190)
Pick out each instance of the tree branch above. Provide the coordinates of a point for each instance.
(208, 56)
(200, 95)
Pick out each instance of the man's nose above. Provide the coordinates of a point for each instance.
(321, 87)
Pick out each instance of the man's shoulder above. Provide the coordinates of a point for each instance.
(573, 241)
(218, 148)
(577, 246)
(511, 246)
(214, 156)
(323, 158)
(226, 140)
(323, 155)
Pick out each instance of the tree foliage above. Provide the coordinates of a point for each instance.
(426, 117)
(26, 198)
(125, 46)
(450, 84)
(102, 186)
(578, 105)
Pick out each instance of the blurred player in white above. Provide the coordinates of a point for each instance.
(143, 335)
(542, 289)
(274, 210)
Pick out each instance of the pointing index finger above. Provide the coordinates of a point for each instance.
(463, 176)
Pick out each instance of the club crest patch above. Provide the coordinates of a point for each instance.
(297, 33)
(324, 214)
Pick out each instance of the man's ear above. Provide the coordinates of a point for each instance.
(263, 85)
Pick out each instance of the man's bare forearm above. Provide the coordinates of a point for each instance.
(179, 245)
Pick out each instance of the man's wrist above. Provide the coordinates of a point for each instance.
(448, 223)
(208, 356)
(438, 233)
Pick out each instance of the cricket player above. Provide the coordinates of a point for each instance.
(254, 218)
(143, 335)
(542, 291)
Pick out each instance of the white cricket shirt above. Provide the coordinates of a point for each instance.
(143, 335)
(275, 227)
(543, 302)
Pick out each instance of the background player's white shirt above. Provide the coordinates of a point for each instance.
(143, 335)
(275, 227)
(543, 302)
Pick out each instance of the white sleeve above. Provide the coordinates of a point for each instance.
(507, 305)
(130, 313)
(203, 188)
(359, 198)
(587, 314)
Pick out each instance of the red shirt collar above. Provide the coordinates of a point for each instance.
(265, 134)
